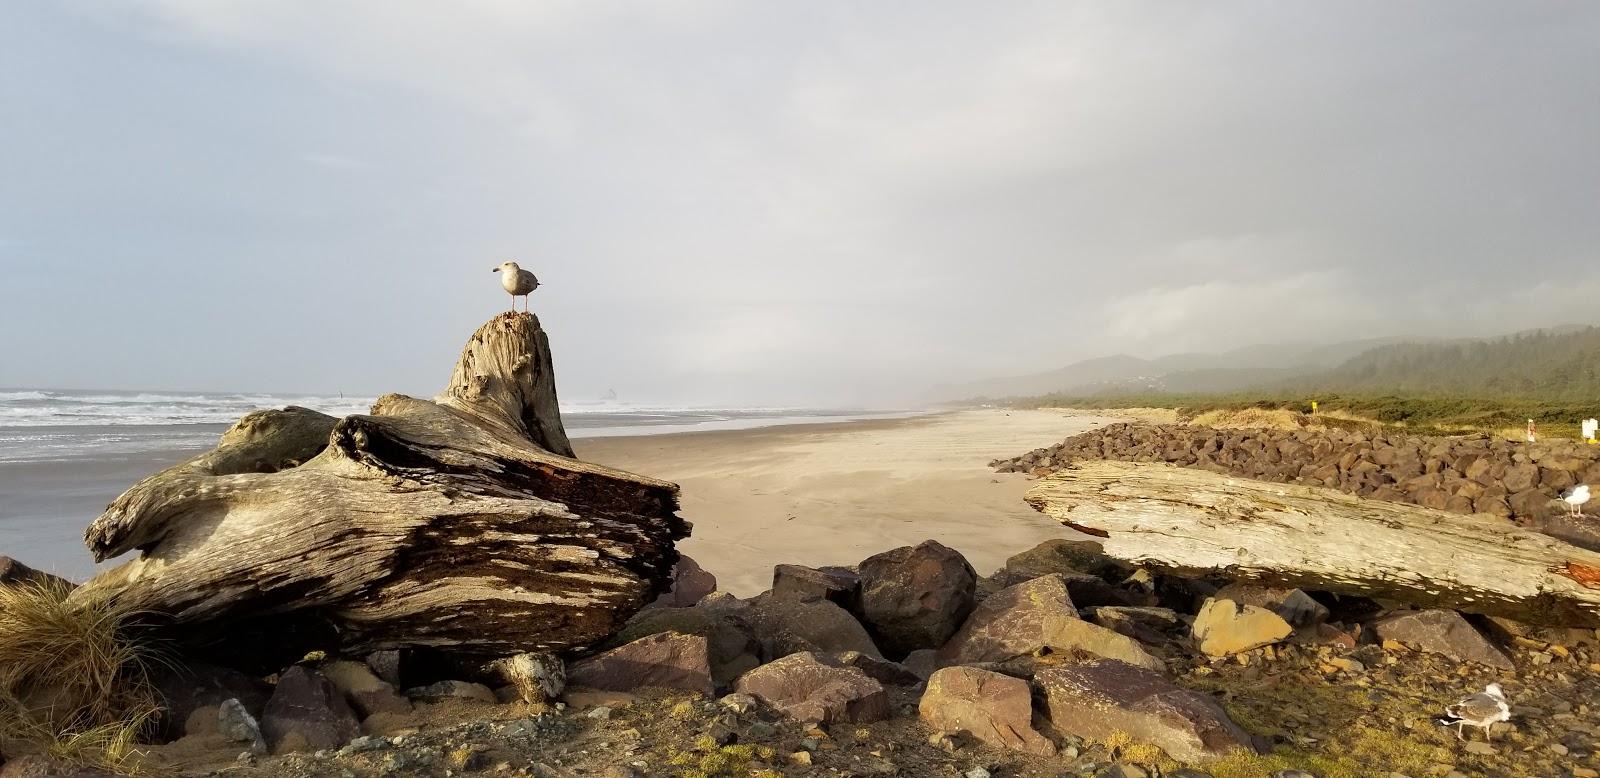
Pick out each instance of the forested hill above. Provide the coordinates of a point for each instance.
(1547, 364)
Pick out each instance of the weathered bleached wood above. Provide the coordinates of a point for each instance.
(460, 524)
(1195, 522)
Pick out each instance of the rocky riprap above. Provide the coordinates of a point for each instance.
(1467, 474)
(1143, 675)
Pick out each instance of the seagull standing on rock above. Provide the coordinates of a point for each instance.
(1576, 498)
(1484, 709)
(518, 282)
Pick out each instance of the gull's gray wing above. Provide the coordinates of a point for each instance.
(1478, 707)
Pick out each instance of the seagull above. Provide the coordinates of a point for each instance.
(1484, 709)
(1576, 498)
(517, 281)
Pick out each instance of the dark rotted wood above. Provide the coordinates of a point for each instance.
(461, 523)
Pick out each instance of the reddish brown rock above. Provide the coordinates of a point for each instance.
(881, 670)
(1442, 632)
(307, 713)
(12, 571)
(839, 585)
(733, 646)
(1010, 623)
(810, 688)
(1105, 697)
(666, 660)
(915, 596)
(994, 708)
(690, 583)
(786, 627)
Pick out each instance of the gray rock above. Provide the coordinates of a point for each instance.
(236, 725)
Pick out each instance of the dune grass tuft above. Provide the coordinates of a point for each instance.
(73, 683)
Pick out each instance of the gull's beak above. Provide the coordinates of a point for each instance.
(496, 270)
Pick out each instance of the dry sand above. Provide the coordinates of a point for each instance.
(837, 493)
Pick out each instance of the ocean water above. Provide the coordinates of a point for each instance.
(42, 425)
(64, 455)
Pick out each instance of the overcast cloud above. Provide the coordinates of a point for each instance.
(811, 202)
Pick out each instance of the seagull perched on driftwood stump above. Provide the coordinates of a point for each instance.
(518, 282)
(1484, 709)
(1576, 498)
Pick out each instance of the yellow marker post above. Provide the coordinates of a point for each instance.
(1313, 406)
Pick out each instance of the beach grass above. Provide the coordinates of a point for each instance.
(74, 682)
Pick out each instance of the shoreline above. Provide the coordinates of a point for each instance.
(833, 494)
(853, 488)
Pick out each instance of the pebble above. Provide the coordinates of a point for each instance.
(800, 757)
(1584, 772)
(601, 712)
(1560, 750)
(1481, 749)
(977, 772)
(738, 703)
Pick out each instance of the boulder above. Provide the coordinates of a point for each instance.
(1101, 698)
(1145, 624)
(730, 640)
(363, 689)
(1079, 638)
(13, 572)
(388, 665)
(1224, 627)
(923, 662)
(307, 713)
(916, 596)
(786, 627)
(881, 670)
(811, 688)
(1066, 556)
(1292, 605)
(1010, 623)
(666, 659)
(996, 709)
(1442, 632)
(690, 584)
(839, 585)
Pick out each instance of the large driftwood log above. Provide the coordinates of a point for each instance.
(1194, 522)
(461, 524)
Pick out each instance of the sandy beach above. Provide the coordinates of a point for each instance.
(836, 493)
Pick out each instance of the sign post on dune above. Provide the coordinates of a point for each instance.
(1590, 427)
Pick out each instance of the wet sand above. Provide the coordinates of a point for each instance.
(837, 493)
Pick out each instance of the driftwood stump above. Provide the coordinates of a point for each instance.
(461, 523)
(1195, 522)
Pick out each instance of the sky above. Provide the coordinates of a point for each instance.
(810, 203)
